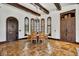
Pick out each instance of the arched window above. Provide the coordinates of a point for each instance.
(32, 25)
(37, 25)
(26, 25)
(42, 25)
(49, 26)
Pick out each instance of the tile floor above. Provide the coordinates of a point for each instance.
(51, 48)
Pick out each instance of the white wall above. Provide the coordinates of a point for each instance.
(7, 11)
(55, 24)
(56, 21)
(77, 24)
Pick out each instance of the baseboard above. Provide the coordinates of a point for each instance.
(53, 38)
(3, 42)
(21, 38)
(48, 38)
(62, 40)
(11, 41)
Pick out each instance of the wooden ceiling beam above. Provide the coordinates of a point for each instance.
(41, 7)
(58, 6)
(24, 8)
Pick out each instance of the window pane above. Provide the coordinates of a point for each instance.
(26, 24)
(32, 25)
(49, 26)
(42, 25)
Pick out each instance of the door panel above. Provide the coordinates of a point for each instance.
(12, 29)
(63, 24)
(71, 28)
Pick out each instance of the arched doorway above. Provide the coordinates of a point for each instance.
(11, 29)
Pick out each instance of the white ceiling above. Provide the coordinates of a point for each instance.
(52, 7)
(66, 4)
(49, 6)
(28, 5)
(32, 7)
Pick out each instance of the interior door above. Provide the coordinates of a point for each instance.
(63, 28)
(71, 28)
(67, 26)
(12, 29)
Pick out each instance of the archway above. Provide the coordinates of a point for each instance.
(11, 29)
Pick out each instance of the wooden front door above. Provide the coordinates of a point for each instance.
(67, 27)
(11, 29)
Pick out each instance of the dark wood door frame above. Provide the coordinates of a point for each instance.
(7, 27)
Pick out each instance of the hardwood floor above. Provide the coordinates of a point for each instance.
(51, 48)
